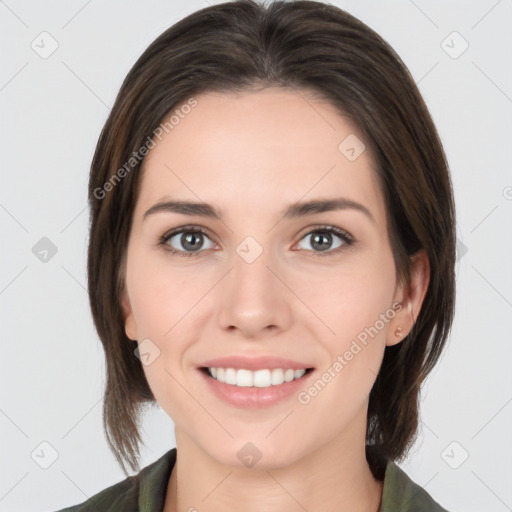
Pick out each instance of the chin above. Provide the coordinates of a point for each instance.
(256, 453)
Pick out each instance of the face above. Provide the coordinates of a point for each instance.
(258, 281)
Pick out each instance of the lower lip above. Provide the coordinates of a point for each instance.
(254, 397)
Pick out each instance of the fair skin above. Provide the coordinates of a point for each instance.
(251, 155)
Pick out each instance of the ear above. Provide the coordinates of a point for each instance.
(130, 326)
(410, 296)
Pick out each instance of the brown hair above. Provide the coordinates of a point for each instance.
(306, 45)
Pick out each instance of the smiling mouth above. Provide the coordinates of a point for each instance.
(259, 378)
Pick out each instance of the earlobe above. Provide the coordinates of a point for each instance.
(398, 333)
(130, 325)
(413, 295)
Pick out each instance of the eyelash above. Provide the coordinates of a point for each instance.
(347, 239)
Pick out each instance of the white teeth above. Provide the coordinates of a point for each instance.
(289, 375)
(261, 379)
(299, 373)
(277, 376)
(258, 378)
(244, 378)
(230, 376)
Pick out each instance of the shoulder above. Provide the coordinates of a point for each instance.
(120, 496)
(402, 493)
(147, 486)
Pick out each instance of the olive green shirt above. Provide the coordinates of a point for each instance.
(146, 491)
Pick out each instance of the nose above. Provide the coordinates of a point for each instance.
(254, 299)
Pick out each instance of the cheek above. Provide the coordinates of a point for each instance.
(351, 298)
(156, 294)
(353, 307)
(149, 307)
(162, 300)
(354, 304)
(160, 308)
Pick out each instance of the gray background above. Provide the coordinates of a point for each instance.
(52, 111)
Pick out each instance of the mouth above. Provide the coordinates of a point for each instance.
(263, 378)
(255, 381)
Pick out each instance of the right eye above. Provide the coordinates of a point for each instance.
(191, 240)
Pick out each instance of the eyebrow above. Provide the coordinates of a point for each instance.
(292, 211)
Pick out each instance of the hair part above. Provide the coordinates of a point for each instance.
(305, 45)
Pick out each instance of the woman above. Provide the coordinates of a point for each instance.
(271, 261)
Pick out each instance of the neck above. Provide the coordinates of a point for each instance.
(334, 477)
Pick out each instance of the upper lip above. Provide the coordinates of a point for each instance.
(254, 363)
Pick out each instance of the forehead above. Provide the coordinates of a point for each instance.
(258, 149)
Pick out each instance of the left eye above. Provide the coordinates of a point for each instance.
(323, 237)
